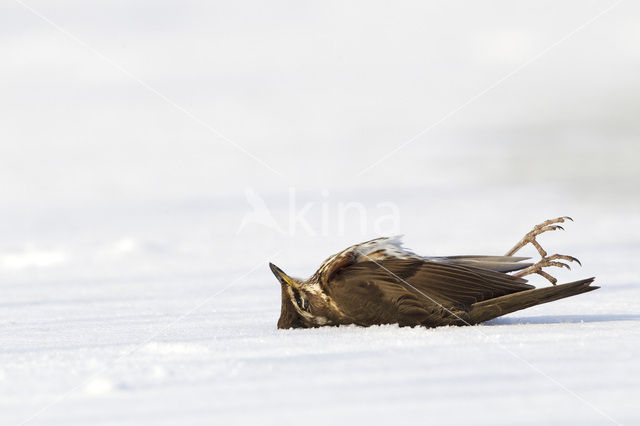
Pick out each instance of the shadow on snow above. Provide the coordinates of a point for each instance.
(561, 319)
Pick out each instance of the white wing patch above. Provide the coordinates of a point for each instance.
(373, 250)
(381, 248)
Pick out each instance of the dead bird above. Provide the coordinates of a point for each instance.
(380, 282)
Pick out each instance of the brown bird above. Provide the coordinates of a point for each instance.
(380, 282)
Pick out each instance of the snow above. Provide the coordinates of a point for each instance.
(174, 329)
(135, 241)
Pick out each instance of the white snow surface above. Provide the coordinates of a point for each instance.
(135, 241)
(164, 325)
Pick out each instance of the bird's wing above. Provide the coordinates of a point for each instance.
(417, 287)
(492, 263)
(372, 300)
(386, 248)
(373, 250)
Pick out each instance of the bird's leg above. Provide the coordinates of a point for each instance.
(547, 225)
(545, 261)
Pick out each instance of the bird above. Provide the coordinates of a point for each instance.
(380, 282)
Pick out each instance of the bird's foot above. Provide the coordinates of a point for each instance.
(547, 261)
(530, 238)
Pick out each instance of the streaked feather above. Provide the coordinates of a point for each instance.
(381, 282)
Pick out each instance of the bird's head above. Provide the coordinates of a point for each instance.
(303, 303)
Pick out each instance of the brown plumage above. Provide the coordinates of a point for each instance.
(379, 282)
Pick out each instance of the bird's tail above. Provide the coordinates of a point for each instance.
(492, 308)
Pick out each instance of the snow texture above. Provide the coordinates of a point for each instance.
(163, 328)
(135, 241)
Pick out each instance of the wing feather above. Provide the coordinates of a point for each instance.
(386, 248)
(416, 289)
(493, 263)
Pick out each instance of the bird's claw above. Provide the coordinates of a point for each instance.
(545, 261)
(548, 261)
(564, 257)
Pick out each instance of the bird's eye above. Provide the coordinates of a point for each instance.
(302, 303)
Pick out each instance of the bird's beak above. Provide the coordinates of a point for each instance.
(281, 276)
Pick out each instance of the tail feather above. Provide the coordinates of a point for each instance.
(493, 308)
